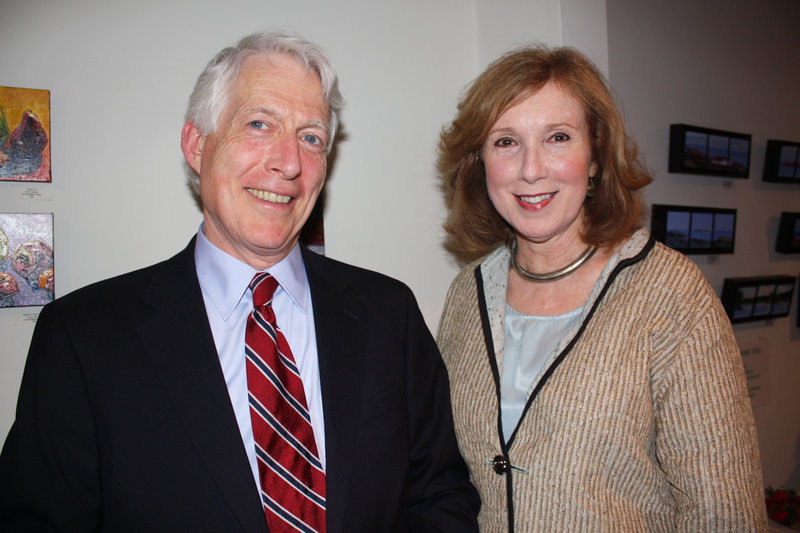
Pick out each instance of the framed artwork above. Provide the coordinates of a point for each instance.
(782, 162)
(697, 150)
(695, 230)
(757, 298)
(26, 259)
(24, 134)
(788, 241)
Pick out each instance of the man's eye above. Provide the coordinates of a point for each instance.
(312, 139)
(257, 124)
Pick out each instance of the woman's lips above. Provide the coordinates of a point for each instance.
(536, 202)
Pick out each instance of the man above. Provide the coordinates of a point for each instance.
(139, 410)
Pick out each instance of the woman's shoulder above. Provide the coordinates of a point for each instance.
(487, 263)
(667, 281)
(653, 259)
(674, 266)
(672, 286)
(462, 301)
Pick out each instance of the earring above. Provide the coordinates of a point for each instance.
(591, 190)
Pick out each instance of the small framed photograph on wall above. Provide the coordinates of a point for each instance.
(782, 162)
(757, 298)
(788, 241)
(695, 230)
(698, 150)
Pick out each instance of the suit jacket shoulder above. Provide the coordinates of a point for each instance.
(350, 277)
(124, 422)
(152, 283)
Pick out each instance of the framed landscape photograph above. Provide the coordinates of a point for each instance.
(695, 230)
(788, 241)
(698, 150)
(782, 162)
(757, 298)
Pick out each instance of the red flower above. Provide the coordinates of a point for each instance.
(782, 505)
(779, 515)
(780, 496)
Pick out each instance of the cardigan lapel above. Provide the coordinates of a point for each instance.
(180, 345)
(341, 351)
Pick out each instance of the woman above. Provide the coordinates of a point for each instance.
(596, 382)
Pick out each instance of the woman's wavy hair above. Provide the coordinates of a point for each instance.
(473, 225)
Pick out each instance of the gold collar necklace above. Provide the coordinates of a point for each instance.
(556, 274)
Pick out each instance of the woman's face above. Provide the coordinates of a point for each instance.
(538, 159)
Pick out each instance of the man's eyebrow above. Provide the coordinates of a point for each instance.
(320, 125)
(266, 110)
(275, 113)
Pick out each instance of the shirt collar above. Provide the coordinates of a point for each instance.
(225, 279)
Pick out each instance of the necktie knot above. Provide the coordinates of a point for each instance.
(263, 286)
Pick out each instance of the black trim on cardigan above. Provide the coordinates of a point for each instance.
(487, 339)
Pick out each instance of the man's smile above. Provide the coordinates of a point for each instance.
(269, 196)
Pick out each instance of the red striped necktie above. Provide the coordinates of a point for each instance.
(292, 478)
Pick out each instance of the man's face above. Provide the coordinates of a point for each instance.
(263, 169)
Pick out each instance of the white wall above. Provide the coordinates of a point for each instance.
(120, 72)
(729, 65)
(506, 24)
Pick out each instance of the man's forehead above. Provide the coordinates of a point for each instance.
(277, 69)
(279, 77)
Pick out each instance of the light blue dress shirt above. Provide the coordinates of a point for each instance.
(224, 281)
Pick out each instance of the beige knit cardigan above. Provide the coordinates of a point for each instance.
(641, 421)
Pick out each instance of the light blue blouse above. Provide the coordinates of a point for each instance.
(529, 342)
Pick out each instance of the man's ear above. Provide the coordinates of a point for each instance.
(192, 145)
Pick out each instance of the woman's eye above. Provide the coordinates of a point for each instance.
(504, 141)
(560, 137)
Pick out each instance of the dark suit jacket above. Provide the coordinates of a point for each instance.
(124, 422)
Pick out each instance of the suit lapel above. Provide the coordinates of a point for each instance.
(341, 350)
(180, 346)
